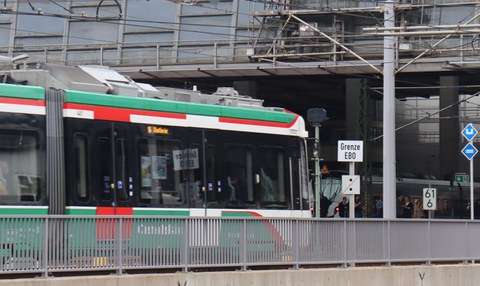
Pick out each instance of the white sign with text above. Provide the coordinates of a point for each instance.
(350, 151)
(185, 159)
(430, 199)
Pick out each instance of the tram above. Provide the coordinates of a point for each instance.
(88, 141)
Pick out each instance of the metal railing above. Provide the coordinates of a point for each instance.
(458, 49)
(119, 244)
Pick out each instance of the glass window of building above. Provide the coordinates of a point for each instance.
(213, 27)
(150, 16)
(4, 32)
(94, 32)
(89, 32)
(32, 23)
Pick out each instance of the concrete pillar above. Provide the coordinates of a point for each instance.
(352, 108)
(449, 127)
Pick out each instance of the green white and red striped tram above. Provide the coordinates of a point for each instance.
(73, 149)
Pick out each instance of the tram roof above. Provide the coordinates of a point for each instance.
(103, 87)
(178, 107)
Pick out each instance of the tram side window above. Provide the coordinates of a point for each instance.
(20, 166)
(192, 175)
(121, 169)
(272, 178)
(80, 165)
(239, 176)
(304, 192)
(161, 180)
(105, 166)
(214, 186)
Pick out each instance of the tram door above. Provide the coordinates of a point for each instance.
(116, 175)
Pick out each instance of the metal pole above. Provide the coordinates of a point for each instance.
(471, 190)
(101, 55)
(215, 48)
(351, 198)
(158, 56)
(317, 172)
(389, 170)
(113, 184)
(204, 172)
(457, 27)
(424, 33)
(430, 212)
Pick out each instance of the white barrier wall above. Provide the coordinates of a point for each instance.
(444, 275)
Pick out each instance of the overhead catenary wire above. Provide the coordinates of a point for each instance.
(429, 115)
(133, 22)
(175, 27)
(130, 21)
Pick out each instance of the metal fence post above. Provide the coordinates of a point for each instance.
(45, 249)
(296, 245)
(119, 255)
(354, 242)
(158, 56)
(274, 62)
(101, 55)
(185, 251)
(243, 244)
(429, 239)
(387, 247)
(466, 244)
(215, 47)
(345, 243)
(64, 54)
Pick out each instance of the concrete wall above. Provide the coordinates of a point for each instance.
(445, 275)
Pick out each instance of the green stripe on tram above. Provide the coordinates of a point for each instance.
(22, 91)
(116, 101)
(136, 211)
(81, 211)
(23, 210)
(237, 214)
(152, 212)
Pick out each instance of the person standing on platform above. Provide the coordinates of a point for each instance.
(400, 202)
(378, 208)
(418, 209)
(324, 204)
(343, 207)
(407, 208)
(358, 207)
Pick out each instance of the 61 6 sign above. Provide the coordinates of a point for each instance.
(430, 199)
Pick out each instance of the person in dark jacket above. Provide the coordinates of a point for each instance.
(407, 207)
(324, 204)
(343, 207)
